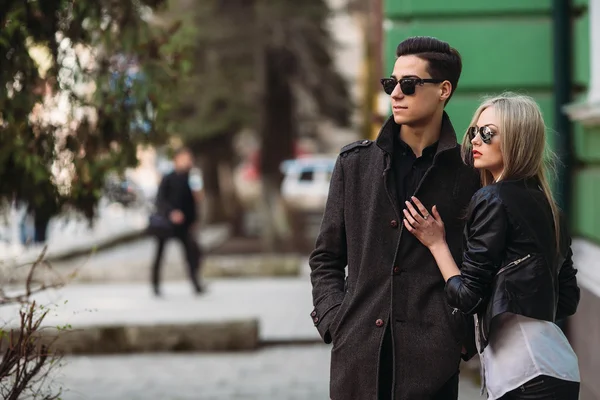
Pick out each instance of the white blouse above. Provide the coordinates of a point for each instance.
(522, 348)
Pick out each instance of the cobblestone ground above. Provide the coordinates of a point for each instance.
(277, 373)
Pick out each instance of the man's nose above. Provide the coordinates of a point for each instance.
(397, 92)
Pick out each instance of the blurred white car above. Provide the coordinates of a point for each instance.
(306, 180)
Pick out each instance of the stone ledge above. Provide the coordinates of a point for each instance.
(238, 335)
(585, 112)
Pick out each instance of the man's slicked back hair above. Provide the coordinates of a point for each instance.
(444, 62)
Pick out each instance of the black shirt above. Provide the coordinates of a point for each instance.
(174, 193)
(408, 169)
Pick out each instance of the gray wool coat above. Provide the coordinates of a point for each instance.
(391, 278)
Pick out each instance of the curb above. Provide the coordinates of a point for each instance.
(252, 265)
(215, 267)
(217, 336)
(100, 245)
(291, 342)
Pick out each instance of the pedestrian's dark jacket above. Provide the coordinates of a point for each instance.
(511, 263)
(174, 193)
(391, 277)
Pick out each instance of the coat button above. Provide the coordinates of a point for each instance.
(313, 314)
(394, 223)
(316, 319)
(379, 323)
(365, 142)
(396, 270)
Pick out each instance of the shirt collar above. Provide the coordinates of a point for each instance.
(390, 129)
(427, 151)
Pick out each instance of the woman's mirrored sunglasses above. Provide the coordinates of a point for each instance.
(407, 85)
(485, 132)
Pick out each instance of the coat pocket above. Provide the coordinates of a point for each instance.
(513, 264)
(337, 322)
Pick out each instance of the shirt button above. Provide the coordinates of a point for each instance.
(394, 223)
(316, 319)
(396, 270)
(313, 314)
(379, 323)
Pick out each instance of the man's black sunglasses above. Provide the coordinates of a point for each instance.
(485, 132)
(407, 85)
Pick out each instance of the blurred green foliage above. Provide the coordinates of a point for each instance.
(71, 109)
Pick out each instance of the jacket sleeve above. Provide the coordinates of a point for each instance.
(568, 290)
(485, 237)
(328, 260)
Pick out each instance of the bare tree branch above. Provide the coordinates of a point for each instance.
(27, 356)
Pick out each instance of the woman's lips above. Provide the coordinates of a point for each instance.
(476, 154)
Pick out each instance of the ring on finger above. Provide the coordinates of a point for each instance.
(425, 217)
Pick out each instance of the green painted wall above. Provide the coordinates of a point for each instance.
(586, 142)
(507, 45)
(585, 217)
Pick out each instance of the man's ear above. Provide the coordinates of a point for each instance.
(446, 90)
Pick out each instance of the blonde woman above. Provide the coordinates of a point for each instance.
(517, 275)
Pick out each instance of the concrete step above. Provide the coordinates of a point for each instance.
(207, 336)
(234, 314)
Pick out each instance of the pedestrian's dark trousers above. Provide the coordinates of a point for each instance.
(193, 257)
(546, 388)
(386, 374)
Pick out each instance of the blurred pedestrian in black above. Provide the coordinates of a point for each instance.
(176, 207)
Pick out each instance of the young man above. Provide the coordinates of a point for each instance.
(175, 200)
(394, 335)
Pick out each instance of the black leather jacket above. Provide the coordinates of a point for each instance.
(510, 261)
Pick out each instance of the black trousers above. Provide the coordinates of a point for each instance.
(40, 229)
(546, 388)
(193, 257)
(386, 374)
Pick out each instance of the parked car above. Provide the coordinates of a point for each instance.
(306, 182)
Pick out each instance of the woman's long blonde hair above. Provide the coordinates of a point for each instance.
(523, 144)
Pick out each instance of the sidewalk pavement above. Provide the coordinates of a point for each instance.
(273, 373)
(131, 262)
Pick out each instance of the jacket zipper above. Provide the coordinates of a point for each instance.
(509, 266)
(513, 264)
